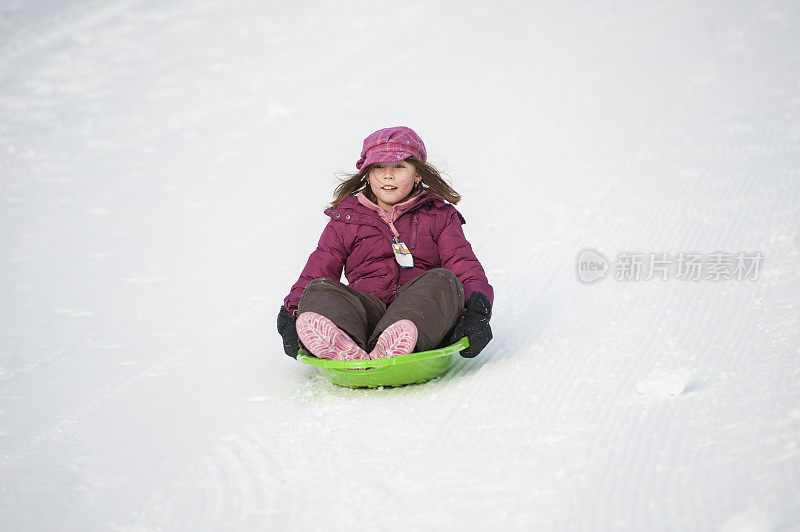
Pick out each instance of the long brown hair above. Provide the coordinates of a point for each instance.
(431, 180)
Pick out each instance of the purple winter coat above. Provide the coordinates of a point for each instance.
(359, 239)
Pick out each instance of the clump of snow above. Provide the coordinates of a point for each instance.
(752, 520)
(662, 383)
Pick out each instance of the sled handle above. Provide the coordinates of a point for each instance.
(305, 358)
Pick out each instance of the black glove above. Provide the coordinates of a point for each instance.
(474, 324)
(286, 328)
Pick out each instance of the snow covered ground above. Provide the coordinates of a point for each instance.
(163, 168)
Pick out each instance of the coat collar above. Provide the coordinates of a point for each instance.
(354, 205)
(397, 210)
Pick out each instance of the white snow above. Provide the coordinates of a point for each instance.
(163, 168)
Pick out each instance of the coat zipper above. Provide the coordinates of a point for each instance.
(415, 225)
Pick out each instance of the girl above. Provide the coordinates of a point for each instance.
(414, 280)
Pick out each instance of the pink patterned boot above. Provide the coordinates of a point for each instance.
(325, 340)
(397, 339)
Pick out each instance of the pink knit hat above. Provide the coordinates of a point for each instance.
(390, 145)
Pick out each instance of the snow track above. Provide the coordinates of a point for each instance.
(162, 175)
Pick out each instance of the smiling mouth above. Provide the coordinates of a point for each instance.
(388, 187)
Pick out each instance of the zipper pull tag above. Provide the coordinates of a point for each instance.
(402, 255)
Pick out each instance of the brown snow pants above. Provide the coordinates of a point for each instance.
(433, 301)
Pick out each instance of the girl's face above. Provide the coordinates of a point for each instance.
(392, 182)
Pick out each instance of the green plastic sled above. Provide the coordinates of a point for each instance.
(396, 371)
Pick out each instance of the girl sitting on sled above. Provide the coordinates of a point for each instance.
(414, 281)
